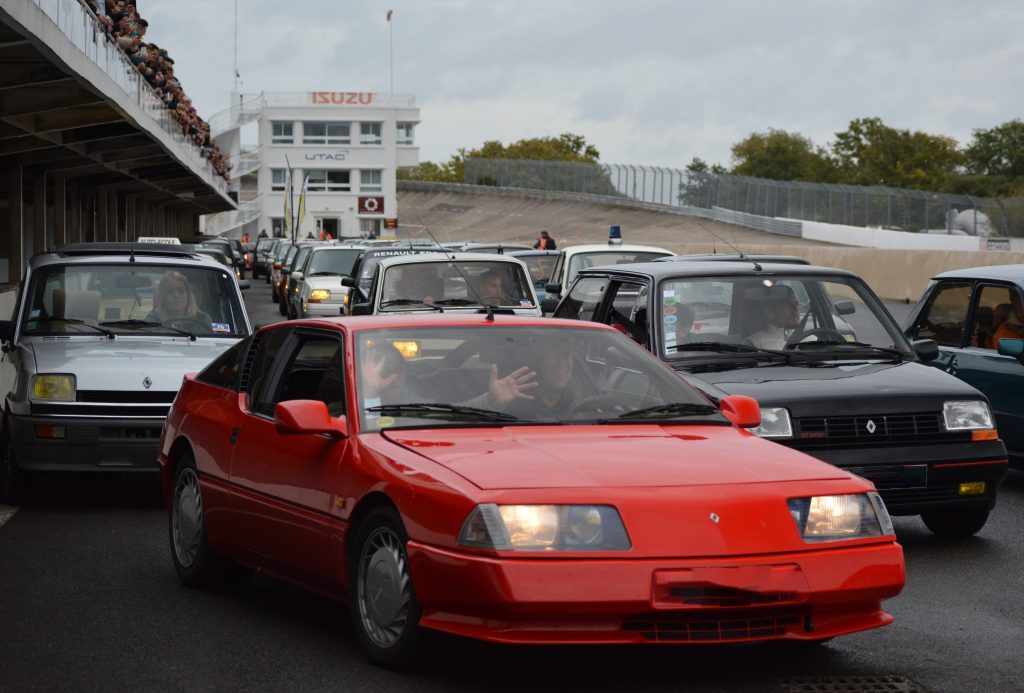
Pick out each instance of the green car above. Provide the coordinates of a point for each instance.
(976, 315)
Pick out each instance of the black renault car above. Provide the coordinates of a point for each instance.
(833, 373)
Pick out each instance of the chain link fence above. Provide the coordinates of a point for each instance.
(895, 209)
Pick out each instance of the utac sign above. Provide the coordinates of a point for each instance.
(341, 98)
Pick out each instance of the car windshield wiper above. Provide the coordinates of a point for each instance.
(895, 353)
(149, 323)
(324, 274)
(431, 409)
(664, 410)
(713, 346)
(78, 321)
(457, 302)
(411, 302)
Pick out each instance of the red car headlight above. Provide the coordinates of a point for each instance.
(545, 528)
(836, 518)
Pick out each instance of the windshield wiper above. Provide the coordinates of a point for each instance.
(78, 321)
(433, 408)
(895, 353)
(323, 274)
(664, 410)
(411, 302)
(457, 302)
(714, 346)
(134, 322)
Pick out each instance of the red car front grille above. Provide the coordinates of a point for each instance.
(733, 626)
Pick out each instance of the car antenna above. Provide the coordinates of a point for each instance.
(451, 260)
(757, 267)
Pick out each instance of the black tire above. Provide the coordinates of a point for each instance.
(282, 307)
(11, 477)
(273, 294)
(955, 523)
(385, 613)
(196, 563)
(293, 314)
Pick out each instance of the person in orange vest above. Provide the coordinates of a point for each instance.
(326, 235)
(545, 242)
(245, 237)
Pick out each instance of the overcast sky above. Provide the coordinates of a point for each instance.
(653, 82)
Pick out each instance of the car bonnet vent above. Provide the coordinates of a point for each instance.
(246, 376)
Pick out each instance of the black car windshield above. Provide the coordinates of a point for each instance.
(513, 375)
(817, 317)
(134, 298)
(459, 283)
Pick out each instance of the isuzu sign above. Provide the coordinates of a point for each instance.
(342, 98)
(371, 205)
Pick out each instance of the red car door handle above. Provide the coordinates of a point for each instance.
(234, 435)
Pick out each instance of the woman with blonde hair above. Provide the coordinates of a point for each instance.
(174, 302)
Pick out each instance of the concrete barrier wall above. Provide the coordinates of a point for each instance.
(882, 238)
(894, 274)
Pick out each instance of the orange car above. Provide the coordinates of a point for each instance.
(517, 480)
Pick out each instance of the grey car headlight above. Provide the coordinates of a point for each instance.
(545, 528)
(775, 423)
(970, 415)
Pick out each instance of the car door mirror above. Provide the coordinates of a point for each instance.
(296, 276)
(244, 284)
(350, 282)
(1007, 347)
(309, 416)
(741, 410)
(845, 308)
(6, 330)
(553, 288)
(926, 349)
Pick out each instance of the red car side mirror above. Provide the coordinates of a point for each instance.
(743, 411)
(308, 416)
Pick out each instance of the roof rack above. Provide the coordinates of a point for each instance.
(123, 248)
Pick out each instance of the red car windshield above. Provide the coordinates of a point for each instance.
(503, 375)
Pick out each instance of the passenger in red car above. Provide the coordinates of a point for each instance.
(383, 376)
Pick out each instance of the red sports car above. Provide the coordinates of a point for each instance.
(518, 480)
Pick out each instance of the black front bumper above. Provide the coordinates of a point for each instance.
(919, 478)
(90, 444)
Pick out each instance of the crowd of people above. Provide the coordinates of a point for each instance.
(122, 24)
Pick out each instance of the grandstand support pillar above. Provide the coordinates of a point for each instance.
(100, 225)
(60, 210)
(113, 217)
(74, 229)
(10, 242)
(38, 213)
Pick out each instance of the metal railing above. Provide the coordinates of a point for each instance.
(889, 208)
(222, 222)
(247, 161)
(79, 25)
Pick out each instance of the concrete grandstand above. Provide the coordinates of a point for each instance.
(87, 151)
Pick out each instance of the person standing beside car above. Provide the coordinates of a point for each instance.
(545, 242)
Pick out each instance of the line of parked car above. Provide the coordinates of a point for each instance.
(647, 465)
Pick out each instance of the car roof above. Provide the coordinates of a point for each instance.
(116, 253)
(605, 248)
(697, 268)
(531, 253)
(374, 322)
(445, 258)
(736, 257)
(1008, 273)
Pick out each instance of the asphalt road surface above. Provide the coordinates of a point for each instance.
(89, 601)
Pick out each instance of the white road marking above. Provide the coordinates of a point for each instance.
(6, 513)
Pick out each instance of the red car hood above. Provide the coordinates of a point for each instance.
(611, 456)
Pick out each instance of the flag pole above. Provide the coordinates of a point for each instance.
(391, 54)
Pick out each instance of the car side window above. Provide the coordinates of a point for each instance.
(583, 299)
(945, 315)
(313, 371)
(627, 307)
(224, 370)
(260, 373)
(992, 308)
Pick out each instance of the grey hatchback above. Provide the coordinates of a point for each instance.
(101, 337)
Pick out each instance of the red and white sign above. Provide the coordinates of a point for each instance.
(371, 205)
(342, 98)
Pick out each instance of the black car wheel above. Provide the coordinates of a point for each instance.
(282, 306)
(384, 610)
(195, 561)
(273, 293)
(955, 523)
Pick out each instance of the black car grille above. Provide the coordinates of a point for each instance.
(110, 403)
(867, 431)
(901, 500)
(734, 626)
